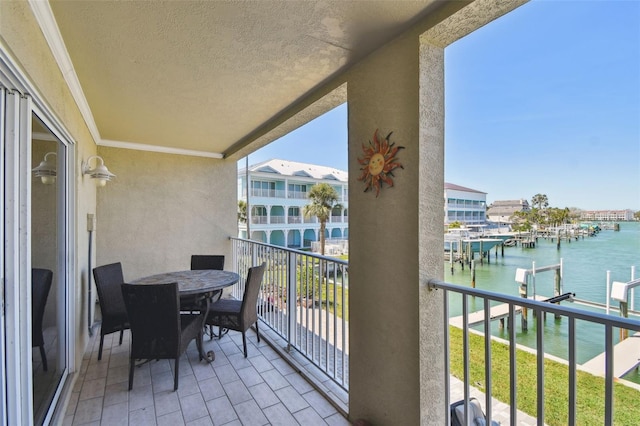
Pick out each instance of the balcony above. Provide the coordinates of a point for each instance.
(268, 193)
(308, 342)
(277, 219)
(294, 219)
(298, 195)
(261, 389)
(259, 219)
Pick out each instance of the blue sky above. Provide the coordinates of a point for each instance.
(543, 100)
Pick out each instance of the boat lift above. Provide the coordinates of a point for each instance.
(524, 276)
(620, 291)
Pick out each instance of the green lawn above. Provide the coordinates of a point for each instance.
(590, 394)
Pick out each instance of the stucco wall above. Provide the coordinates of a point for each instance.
(163, 208)
(22, 37)
(383, 262)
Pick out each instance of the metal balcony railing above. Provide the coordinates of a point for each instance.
(511, 307)
(304, 300)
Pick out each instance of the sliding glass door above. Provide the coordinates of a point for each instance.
(37, 261)
(49, 290)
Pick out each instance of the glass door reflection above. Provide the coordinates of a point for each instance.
(48, 292)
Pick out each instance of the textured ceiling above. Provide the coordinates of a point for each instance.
(202, 75)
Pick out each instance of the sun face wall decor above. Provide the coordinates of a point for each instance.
(378, 163)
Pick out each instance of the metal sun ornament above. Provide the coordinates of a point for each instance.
(379, 162)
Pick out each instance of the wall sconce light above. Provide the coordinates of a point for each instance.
(101, 173)
(47, 170)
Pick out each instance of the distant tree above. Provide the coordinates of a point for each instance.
(636, 215)
(575, 214)
(323, 199)
(242, 211)
(558, 216)
(455, 225)
(520, 221)
(540, 200)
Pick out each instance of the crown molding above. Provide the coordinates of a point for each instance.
(47, 22)
(161, 149)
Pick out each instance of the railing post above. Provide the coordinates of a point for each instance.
(608, 296)
(291, 298)
(533, 268)
(558, 281)
(624, 312)
(633, 295)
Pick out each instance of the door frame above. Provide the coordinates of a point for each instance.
(20, 101)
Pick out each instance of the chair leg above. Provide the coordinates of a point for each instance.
(219, 332)
(244, 344)
(100, 349)
(175, 376)
(121, 334)
(45, 367)
(257, 332)
(132, 363)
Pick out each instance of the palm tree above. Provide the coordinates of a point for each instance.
(324, 198)
(242, 211)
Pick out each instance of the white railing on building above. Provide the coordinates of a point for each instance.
(299, 195)
(311, 219)
(294, 219)
(304, 300)
(277, 219)
(259, 219)
(269, 193)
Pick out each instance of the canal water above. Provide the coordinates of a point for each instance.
(585, 265)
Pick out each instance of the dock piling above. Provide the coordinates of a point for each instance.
(473, 273)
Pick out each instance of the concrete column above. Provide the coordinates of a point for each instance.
(396, 324)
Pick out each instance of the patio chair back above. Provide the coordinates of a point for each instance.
(40, 285)
(158, 330)
(201, 261)
(109, 279)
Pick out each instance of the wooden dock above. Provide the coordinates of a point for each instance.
(496, 312)
(626, 357)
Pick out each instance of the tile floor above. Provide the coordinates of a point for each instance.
(262, 389)
(259, 390)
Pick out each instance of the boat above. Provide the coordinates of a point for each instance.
(459, 239)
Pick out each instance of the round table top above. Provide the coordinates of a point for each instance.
(193, 281)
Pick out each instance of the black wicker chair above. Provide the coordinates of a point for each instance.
(200, 261)
(40, 285)
(108, 279)
(158, 329)
(239, 315)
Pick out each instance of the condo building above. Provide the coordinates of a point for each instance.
(278, 192)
